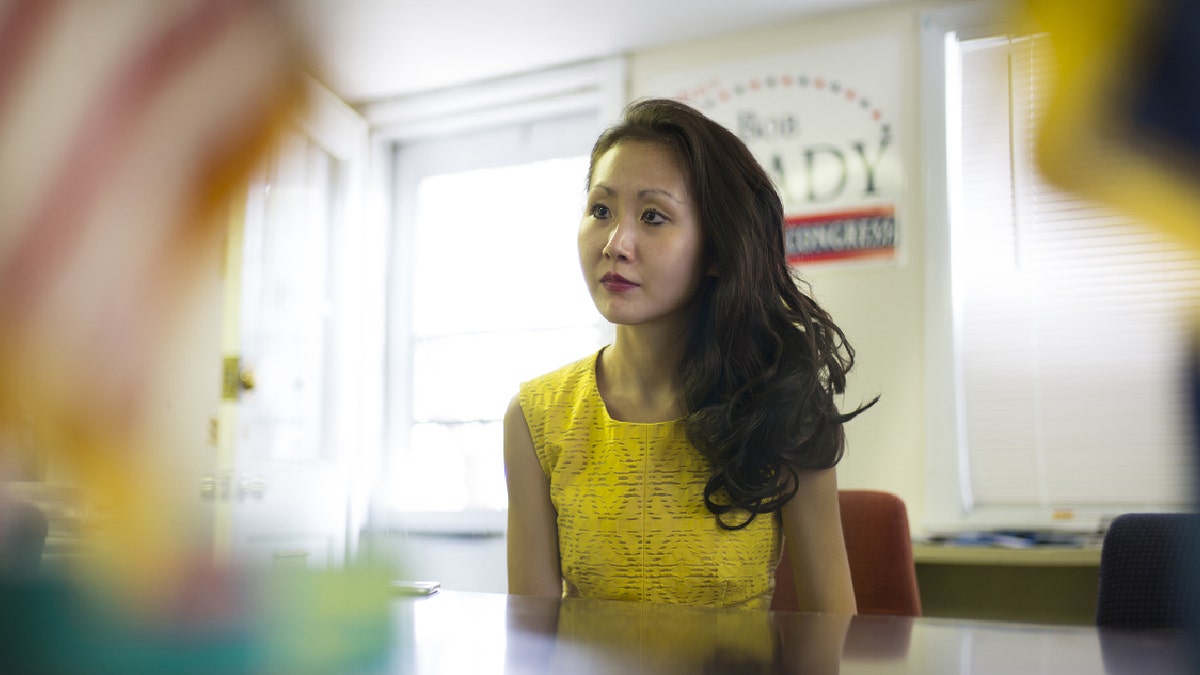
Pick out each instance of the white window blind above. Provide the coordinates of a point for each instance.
(1071, 320)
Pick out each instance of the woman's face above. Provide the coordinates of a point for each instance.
(641, 246)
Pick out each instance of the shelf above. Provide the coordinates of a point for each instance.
(1041, 556)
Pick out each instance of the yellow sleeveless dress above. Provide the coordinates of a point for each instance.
(632, 524)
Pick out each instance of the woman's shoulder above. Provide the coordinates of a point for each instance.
(558, 394)
(565, 377)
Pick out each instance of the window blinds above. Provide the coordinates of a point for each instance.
(1072, 322)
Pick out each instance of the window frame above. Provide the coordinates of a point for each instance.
(944, 471)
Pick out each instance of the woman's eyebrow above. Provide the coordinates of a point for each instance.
(642, 194)
(659, 191)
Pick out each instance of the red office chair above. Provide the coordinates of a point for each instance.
(875, 527)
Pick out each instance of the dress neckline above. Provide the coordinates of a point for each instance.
(594, 384)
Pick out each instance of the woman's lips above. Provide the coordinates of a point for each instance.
(615, 283)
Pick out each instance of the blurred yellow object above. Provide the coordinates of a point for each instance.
(1089, 141)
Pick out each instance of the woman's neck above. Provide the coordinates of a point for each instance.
(637, 375)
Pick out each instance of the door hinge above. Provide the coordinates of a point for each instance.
(230, 382)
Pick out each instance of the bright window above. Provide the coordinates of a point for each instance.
(492, 295)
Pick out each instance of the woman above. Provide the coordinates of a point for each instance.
(665, 467)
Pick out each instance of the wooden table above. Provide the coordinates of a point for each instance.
(456, 632)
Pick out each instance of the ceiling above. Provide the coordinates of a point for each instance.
(375, 49)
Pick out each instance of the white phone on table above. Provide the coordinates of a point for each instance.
(415, 587)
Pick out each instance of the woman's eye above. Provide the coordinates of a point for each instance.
(598, 211)
(653, 217)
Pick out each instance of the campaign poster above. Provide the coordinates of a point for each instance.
(823, 122)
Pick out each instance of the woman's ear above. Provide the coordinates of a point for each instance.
(713, 270)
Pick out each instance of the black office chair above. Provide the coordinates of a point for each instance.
(23, 530)
(1146, 575)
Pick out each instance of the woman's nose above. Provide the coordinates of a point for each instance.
(620, 242)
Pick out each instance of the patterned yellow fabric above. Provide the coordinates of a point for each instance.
(632, 524)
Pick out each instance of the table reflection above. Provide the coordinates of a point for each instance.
(484, 633)
(601, 636)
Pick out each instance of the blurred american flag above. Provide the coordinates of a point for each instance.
(125, 126)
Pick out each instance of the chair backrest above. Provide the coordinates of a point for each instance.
(1145, 581)
(879, 547)
(23, 530)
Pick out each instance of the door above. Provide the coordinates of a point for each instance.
(293, 425)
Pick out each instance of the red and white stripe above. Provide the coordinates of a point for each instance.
(121, 124)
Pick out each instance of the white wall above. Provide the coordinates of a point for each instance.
(879, 306)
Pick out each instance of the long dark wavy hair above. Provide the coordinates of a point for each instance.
(762, 362)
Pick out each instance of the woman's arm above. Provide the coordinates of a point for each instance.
(533, 564)
(812, 524)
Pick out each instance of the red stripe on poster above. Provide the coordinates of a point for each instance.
(841, 215)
